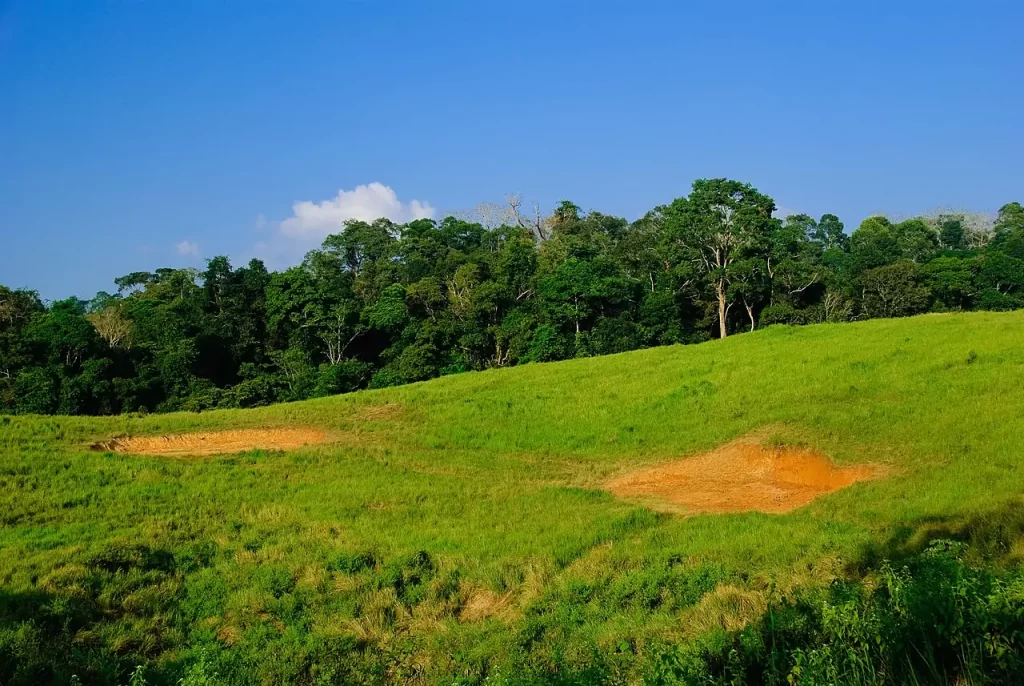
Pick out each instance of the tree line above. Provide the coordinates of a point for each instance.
(381, 304)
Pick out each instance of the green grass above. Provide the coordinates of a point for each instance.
(356, 561)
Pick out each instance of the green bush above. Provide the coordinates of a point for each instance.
(930, 620)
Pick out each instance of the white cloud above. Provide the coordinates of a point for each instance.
(366, 203)
(287, 241)
(188, 248)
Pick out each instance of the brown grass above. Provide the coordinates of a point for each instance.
(741, 476)
(214, 442)
(482, 603)
(726, 608)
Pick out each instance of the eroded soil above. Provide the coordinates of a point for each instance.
(742, 476)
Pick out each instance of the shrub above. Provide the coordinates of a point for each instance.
(345, 377)
(933, 619)
(780, 314)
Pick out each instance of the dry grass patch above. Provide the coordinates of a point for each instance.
(215, 442)
(483, 603)
(726, 608)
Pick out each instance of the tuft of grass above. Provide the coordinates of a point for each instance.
(728, 608)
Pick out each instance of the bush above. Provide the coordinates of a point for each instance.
(613, 335)
(546, 345)
(994, 301)
(37, 391)
(344, 377)
(931, 620)
(780, 314)
(250, 393)
(893, 291)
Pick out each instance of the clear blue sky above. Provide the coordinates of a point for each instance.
(138, 134)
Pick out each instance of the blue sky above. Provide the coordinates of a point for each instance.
(138, 134)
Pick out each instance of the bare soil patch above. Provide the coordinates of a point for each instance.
(215, 442)
(742, 476)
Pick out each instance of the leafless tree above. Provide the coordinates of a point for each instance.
(333, 328)
(113, 326)
(535, 222)
(836, 307)
(511, 213)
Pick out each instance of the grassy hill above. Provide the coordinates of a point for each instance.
(456, 530)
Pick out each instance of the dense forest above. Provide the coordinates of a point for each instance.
(380, 304)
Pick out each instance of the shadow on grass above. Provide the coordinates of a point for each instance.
(90, 622)
(34, 641)
(995, 537)
(937, 602)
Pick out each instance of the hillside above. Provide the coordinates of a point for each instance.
(459, 529)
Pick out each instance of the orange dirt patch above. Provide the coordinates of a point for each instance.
(214, 442)
(742, 476)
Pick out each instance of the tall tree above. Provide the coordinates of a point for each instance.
(720, 223)
(1009, 230)
(17, 310)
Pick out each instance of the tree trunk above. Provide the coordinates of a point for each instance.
(750, 313)
(720, 291)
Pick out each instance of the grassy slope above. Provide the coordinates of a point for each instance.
(494, 475)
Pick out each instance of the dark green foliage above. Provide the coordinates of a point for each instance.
(381, 304)
(893, 290)
(353, 563)
(96, 621)
(345, 377)
(36, 390)
(953, 281)
(932, 619)
(1009, 230)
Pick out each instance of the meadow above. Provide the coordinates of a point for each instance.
(456, 530)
